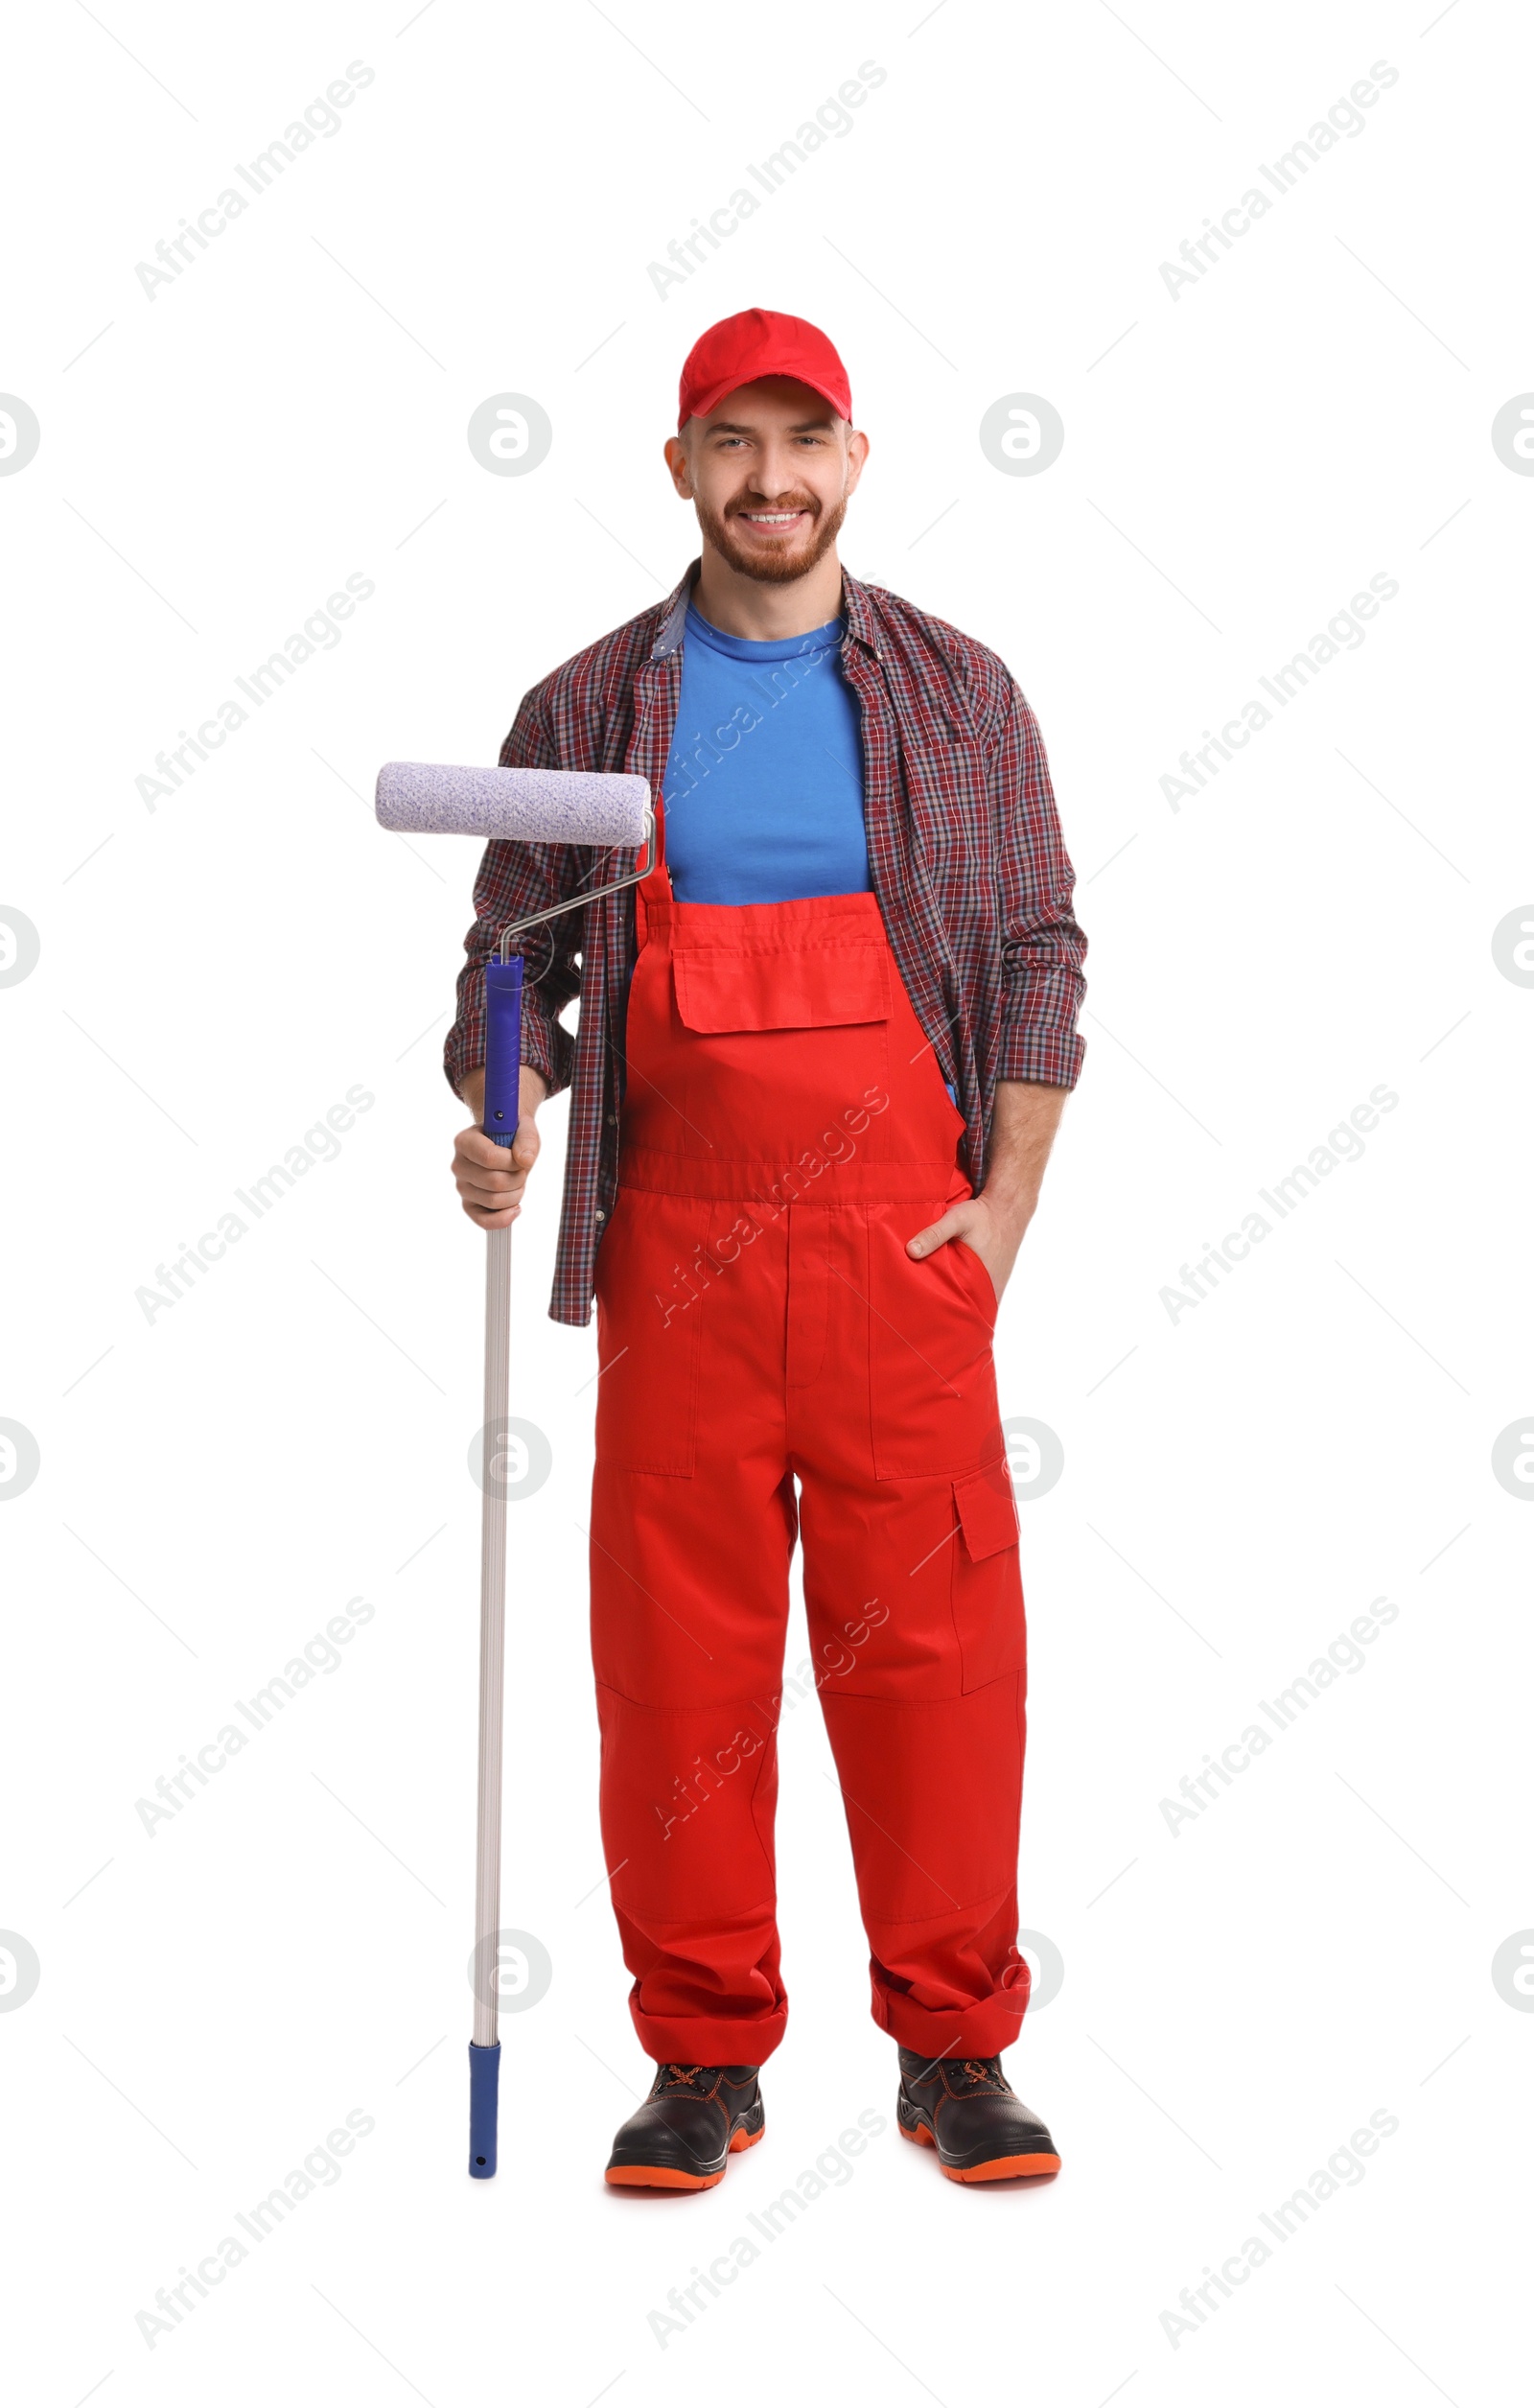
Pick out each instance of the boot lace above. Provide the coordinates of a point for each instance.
(985, 2071)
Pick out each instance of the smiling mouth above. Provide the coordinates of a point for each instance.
(771, 520)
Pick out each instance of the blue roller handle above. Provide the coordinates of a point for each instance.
(502, 1048)
(484, 2084)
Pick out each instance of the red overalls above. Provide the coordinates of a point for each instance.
(785, 1130)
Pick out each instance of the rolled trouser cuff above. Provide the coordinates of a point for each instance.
(979, 2027)
(702, 2040)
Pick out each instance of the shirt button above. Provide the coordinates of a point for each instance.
(600, 1214)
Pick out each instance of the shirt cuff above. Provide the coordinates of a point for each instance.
(1046, 1057)
(547, 1047)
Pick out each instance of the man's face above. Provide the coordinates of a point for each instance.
(770, 472)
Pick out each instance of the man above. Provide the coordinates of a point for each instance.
(822, 1055)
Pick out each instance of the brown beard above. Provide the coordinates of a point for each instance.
(784, 567)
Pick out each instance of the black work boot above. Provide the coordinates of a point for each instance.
(966, 2110)
(692, 2119)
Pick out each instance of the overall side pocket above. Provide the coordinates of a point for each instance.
(648, 1320)
(932, 1383)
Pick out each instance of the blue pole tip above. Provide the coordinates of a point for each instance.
(484, 2086)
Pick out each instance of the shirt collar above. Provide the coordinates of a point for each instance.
(857, 610)
(674, 613)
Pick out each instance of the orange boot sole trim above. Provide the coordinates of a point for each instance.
(996, 2169)
(672, 2177)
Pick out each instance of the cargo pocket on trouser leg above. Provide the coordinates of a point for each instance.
(988, 1588)
(648, 1322)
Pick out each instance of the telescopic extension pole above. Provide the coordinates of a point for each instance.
(550, 807)
(502, 1106)
(598, 810)
(503, 980)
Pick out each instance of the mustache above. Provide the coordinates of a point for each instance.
(795, 502)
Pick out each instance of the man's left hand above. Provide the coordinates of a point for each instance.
(995, 1230)
(1025, 1118)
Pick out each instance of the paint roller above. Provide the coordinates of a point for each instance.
(559, 807)
(548, 806)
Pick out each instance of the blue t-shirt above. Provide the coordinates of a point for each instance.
(764, 786)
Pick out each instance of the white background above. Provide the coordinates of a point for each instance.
(1239, 1483)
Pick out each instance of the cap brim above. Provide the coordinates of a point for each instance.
(709, 403)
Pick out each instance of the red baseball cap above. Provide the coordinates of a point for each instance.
(755, 343)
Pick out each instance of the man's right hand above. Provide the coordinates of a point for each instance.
(491, 1178)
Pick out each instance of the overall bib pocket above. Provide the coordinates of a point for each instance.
(720, 988)
(746, 1014)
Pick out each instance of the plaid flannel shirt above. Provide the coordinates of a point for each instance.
(965, 854)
